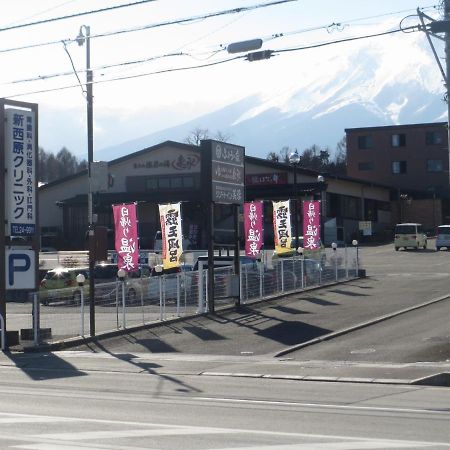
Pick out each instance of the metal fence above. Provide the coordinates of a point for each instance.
(65, 313)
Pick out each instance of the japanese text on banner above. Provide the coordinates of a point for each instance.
(311, 225)
(126, 240)
(253, 228)
(282, 227)
(172, 239)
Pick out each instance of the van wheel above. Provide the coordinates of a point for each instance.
(396, 249)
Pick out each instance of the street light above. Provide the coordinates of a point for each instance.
(81, 39)
(294, 160)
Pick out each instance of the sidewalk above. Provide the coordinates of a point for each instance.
(231, 366)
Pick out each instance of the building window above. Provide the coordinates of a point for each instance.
(434, 165)
(398, 140)
(433, 138)
(366, 165)
(398, 167)
(365, 142)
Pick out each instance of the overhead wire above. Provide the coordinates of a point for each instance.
(71, 16)
(177, 69)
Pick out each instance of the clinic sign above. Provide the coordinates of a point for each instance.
(20, 172)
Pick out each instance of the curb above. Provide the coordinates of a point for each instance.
(338, 333)
(359, 380)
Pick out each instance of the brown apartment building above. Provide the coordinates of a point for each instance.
(414, 159)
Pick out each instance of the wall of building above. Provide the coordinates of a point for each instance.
(414, 150)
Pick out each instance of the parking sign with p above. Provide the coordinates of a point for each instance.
(20, 269)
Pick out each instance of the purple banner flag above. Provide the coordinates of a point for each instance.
(253, 228)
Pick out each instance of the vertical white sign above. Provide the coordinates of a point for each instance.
(20, 176)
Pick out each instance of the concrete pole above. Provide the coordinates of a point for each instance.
(447, 84)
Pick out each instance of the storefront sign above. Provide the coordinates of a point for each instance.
(261, 179)
(227, 174)
(20, 173)
(126, 241)
(172, 238)
(282, 227)
(253, 228)
(182, 162)
(311, 225)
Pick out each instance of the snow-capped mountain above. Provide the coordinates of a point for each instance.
(395, 81)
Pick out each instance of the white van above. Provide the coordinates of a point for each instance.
(409, 235)
(443, 237)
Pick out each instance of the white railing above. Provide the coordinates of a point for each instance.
(135, 301)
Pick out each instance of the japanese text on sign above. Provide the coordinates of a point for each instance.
(282, 226)
(20, 177)
(126, 241)
(253, 228)
(172, 242)
(311, 225)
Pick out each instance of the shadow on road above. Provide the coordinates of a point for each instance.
(146, 367)
(44, 366)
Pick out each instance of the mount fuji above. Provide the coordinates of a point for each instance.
(375, 83)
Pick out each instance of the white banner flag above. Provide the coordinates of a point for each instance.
(172, 237)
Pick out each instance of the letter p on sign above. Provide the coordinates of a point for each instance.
(20, 269)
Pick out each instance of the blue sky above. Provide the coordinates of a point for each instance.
(153, 102)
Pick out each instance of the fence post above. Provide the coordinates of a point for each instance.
(178, 295)
(346, 262)
(261, 279)
(160, 299)
(123, 305)
(117, 304)
(35, 319)
(2, 324)
(82, 310)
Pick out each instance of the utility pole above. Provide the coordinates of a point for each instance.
(447, 79)
(436, 28)
(81, 39)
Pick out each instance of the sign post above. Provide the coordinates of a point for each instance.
(19, 258)
(223, 178)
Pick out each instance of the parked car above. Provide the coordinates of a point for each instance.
(61, 284)
(443, 237)
(171, 281)
(409, 235)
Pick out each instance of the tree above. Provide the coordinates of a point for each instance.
(53, 167)
(199, 134)
(316, 158)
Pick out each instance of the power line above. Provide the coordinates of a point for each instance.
(158, 24)
(178, 69)
(54, 19)
(71, 16)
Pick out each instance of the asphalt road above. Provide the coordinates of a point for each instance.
(214, 382)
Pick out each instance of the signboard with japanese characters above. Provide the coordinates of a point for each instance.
(253, 228)
(265, 179)
(20, 173)
(172, 237)
(366, 227)
(227, 173)
(282, 227)
(126, 236)
(311, 225)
